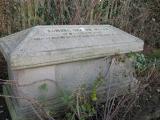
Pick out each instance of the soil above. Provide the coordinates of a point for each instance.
(149, 102)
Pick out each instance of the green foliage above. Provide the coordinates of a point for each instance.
(96, 84)
(77, 106)
(81, 105)
(43, 87)
(140, 61)
(67, 98)
(144, 62)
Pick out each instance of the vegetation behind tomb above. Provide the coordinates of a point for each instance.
(138, 17)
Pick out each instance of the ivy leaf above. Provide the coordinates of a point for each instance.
(43, 87)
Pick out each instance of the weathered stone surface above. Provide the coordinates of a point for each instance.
(118, 79)
(46, 45)
(65, 57)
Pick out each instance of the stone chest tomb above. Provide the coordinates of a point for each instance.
(65, 57)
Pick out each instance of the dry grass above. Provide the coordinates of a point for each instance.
(138, 17)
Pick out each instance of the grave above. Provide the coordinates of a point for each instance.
(64, 57)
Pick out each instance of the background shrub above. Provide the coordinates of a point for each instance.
(138, 17)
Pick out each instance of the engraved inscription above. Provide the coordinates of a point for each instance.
(64, 33)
